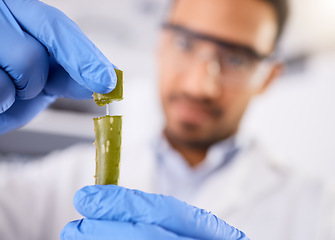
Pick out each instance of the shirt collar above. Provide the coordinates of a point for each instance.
(219, 154)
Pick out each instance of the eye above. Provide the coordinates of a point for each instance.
(182, 42)
(236, 60)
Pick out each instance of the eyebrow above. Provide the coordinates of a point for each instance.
(215, 40)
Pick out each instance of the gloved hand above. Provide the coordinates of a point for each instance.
(117, 213)
(44, 55)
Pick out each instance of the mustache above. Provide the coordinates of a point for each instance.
(205, 104)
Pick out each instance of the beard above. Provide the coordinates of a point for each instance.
(188, 134)
(193, 141)
(204, 103)
(197, 135)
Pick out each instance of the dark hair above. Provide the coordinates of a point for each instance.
(281, 8)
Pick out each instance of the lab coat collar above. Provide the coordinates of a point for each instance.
(218, 154)
(236, 186)
(232, 187)
(231, 184)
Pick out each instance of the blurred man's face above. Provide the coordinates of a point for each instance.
(210, 60)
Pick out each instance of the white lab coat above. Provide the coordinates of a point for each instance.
(252, 193)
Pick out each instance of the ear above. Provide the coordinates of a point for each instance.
(276, 70)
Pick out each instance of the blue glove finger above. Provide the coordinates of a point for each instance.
(60, 84)
(7, 96)
(12, 118)
(87, 229)
(66, 43)
(22, 57)
(115, 203)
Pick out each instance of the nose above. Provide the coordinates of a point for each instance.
(201, 79)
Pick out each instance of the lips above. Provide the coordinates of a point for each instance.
(192, 113)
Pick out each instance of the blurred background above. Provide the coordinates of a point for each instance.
(295, 118)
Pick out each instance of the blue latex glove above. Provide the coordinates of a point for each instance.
(117, 213)
(44, 55)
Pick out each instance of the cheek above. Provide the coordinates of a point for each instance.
(164, 88)
(168, 82)
(235, 103)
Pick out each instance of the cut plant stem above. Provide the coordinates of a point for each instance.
(108, 149)
(115, 95)
(108, 136)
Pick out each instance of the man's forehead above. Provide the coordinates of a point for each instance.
(247, 22)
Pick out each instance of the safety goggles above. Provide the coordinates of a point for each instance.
(230, 64)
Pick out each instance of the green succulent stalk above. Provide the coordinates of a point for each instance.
(108, 137)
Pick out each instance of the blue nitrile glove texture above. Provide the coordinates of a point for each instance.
(44, 55)
(113, 212)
